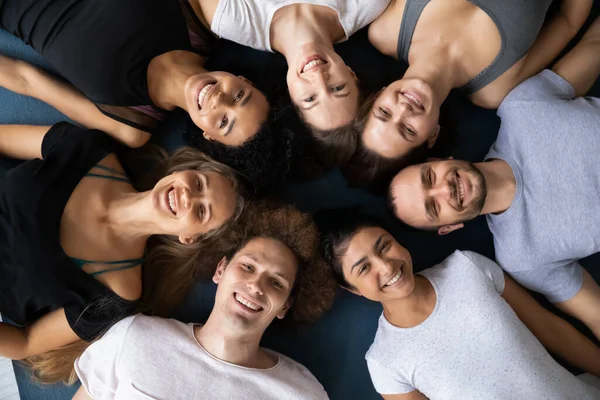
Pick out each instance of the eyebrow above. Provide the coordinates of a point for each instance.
(356, 264)
(246, 99)
(378, 242)
(429, 206)
(230, 127)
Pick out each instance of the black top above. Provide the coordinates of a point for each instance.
(36, 276)
(104, 47)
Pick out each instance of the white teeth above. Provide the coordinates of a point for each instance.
(312, 64)
(461, 190)
(172, 200)
(413, 99)
(203, 93)
(394, 279)
(247, 303)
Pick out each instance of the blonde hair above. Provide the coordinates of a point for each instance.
(168, 272)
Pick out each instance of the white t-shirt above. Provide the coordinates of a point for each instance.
(248, 22)
(154, 358)
(473, 346)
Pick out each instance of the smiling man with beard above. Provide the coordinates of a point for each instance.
(539, 186)
(272, 270)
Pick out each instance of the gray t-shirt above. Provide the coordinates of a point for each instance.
(551, 140)
(248, 22)
(154, 358)
(473, 346)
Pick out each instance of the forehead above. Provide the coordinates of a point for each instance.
(407, 195)
(270, 254)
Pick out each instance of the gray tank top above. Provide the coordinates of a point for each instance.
(518, 22)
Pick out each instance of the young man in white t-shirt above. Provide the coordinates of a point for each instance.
(266, 276)
(459, 330)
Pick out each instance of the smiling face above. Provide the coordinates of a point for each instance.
(403, 117)
(226, 107)
(323, 87)
(190, 203)
(377, 266)
(438, 193)
(254, 286)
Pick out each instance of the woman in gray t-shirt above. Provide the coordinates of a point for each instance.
(459, 330)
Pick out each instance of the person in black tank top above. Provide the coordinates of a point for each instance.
(75, 230)
(135, 60)
(399, 124)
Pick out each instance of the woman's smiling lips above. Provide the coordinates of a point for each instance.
(209, 85)
(311, 63)
(395, 279)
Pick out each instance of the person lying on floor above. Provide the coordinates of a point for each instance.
(482, 48)
(538, 188)
(459, 330)
(271, 270)
(77, 231)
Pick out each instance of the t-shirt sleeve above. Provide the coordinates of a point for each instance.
(558, 284)
(386, 383)
(545, 85)
(97, 367)
(90, 317)
(65, 137)
(489, 268)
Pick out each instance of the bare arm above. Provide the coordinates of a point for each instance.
(22, 142)
(556, 334)
(81, 395)
(555, 35)
(414, 395)
(24, 78)
(585, 304)
(581, 66)
(47, 333)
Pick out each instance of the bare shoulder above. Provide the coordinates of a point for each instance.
(383, 32)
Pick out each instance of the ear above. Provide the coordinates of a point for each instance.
(188, 239)
(219, 271)
(284, 309)
(356, 292)
(245, 80)
(207, 136)
(433, 137)
(446, 229)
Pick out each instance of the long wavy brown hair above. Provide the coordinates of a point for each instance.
(170, 266)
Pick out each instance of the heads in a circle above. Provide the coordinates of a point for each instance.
(272, 269)
(438, 195)
(364, 257)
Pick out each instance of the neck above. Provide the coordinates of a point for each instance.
(233, 347)
(413, 309)
(298, 24)
(168, 74)
(500, 183)
(128, 217)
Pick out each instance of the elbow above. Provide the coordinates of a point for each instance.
(133, 138)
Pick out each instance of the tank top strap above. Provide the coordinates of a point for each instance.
(121, 177)
(115, 265)
(412, 13)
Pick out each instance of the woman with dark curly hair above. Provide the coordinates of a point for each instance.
(75, 231)
(462, 329)
(129, 63)
(271, 270)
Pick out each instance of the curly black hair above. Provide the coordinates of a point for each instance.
(279, 151)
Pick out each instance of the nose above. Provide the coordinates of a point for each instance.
(384, 266)
(254, 285)
(189, 199)
(403, 109)
(441, 190)
(217, 100)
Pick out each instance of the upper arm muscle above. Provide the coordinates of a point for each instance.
(49, 332)
(81, 394)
